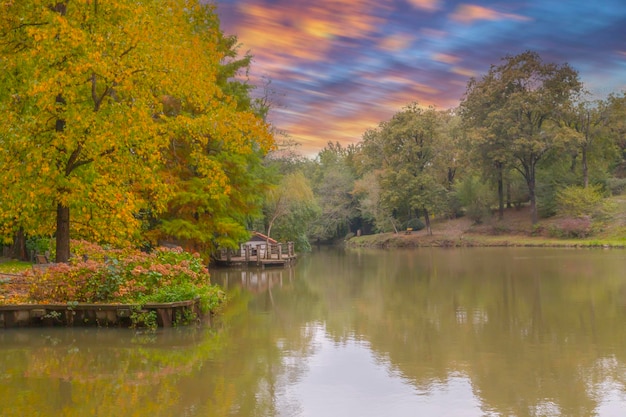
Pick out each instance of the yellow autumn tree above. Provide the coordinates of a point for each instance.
(85, 127)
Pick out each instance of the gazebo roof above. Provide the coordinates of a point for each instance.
(260, 237)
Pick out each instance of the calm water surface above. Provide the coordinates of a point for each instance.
(428, 332)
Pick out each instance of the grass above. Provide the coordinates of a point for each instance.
(9, 266)
(515, 229)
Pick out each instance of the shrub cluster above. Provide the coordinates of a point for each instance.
(95, 274)
(575, 228)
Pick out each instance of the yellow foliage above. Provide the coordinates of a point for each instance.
(83, 103)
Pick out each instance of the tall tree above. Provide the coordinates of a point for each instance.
(587, 123)
(616, 108)
(86, 126)
(405, 149)
(515, 103)
(333, 183)
(291, 198)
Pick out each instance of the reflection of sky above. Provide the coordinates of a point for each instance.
(341, 66)
(346, 379)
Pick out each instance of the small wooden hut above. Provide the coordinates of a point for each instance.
(259, 250)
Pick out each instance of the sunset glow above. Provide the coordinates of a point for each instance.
(340, 67)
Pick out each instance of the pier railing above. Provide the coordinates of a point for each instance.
(261, 252)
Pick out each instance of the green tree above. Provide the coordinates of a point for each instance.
(405, 151)
(333, 183)
(291, 200)
(371, 206)
(476, 196)
(587, 122)
(616, 108)
(515, 105)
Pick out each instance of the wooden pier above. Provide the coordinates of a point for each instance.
(261, 255)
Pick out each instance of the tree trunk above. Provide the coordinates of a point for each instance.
(269, 229)
(585, 167)
(18, 249)
(508, 194)
(451, 174)
(63, 233)
(572, 167)
(500, 193)
(533, 201)
(429, 231)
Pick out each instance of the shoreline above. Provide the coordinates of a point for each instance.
(514, 230)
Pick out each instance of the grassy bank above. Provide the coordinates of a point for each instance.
(515, 229)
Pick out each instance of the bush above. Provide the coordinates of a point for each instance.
(575, 228)
(96, 274)
(578, 201)
(415, 224)
(477, 198)
(616, 186)
(40, 245)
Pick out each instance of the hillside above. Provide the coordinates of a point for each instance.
(515, 229)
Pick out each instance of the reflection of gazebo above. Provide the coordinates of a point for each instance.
(259, 250)
(255, 280)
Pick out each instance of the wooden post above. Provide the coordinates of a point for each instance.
(259, 251)
(280, 251)
(228, 254)
(247, 250)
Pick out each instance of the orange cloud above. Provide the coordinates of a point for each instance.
(346, 119)
(430, 5)
(396, 42)
(463, 72)
(445, 58)
(468, 13)
(304, 33)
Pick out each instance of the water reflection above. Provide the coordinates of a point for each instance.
(459, 332)
(100, 372)
(348, 379)
(256, 280)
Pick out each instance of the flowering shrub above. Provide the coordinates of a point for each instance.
(96, 274)
(579, 227)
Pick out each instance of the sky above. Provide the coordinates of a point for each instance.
(340, 67)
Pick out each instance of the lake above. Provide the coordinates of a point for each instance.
(424, 332)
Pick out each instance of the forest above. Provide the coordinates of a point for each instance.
(526, 133)
(128, 124)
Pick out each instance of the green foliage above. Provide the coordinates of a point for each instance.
(184, 317)
(372, 208)
(513, 108)
(550, 179)
(517, 190)
(616, 186)
(40, 244)
(477, 198)
(407, 175)
(289, 208)
(144, 318)
(415, 224)
(579, 201)
(333, 183)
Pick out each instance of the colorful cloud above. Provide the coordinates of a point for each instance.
(339, 67)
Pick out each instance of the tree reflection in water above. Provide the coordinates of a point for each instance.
(471, 332)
